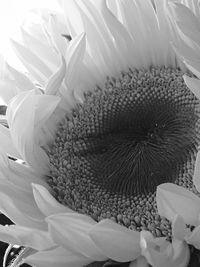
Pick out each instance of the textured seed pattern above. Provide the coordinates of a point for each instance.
(138, 131)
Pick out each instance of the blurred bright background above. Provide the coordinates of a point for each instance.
(12, 15)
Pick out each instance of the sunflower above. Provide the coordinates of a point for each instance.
(105, 140)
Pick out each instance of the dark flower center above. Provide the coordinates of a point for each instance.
(110, 154)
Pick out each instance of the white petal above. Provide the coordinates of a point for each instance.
(193, 84)
(22, 175)
(20, 79)
(71, 231)
(7, 90)
(23, 236)
(74, 57)
(55, 81)
(99, 41)
(186, 21)
(115, 241)
(46, 105)
(196, 176)
(21, 118)
(59, 41)
(42, 49)
(139, 262)
(46, 202)
(173, 199)
(179, 230)
(32, 62)
(15, 179)
(193, 66)
(20, 208)
(58, 257)
(194, 238)
(6, 142)
(122, 38)
(176, 254)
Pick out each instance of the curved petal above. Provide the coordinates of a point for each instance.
(179, 230)
(20, 79)
(193, 84)
(28, 237)
(116, 241)
(7, 90)
(71, 231)
(139, 262)
(22, 175)
(42, 49)
(20, 208)
(123, 41)
(196, 176)
(55, 81)
(21, 119)
(56, 36)
(57, 257)
(46, 202)
(194, 238)
(32, 62)
(6, 142)
(186, 20)
(74, 57)
(173, 199)
(175, 254)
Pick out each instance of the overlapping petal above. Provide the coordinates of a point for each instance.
(71, 231)
(57, 257)
(106, 39)
(25, 236)
(165, 254)
(173, 199)
(46, 202)
(115, 241)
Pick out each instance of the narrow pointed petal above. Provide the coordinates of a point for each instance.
(173, 199)
(58, 257)
(98, 38)
(58, 40)
(122, 38)
(23, 236)
(22, 82)
(186, 21)
(32, 62)
(41, 49)
(46, 202)
(115, 241)
(74, 57)
(196, 176)
(193, 84)
(55, 81)
(21, 119)
(70, 230)
(45, 107)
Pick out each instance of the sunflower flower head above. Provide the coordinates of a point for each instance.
(105, 131)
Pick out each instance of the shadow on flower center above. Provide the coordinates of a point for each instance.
(110, 154)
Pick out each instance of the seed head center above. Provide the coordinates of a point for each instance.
(138, 131)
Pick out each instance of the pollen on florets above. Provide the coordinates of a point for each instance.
(138, 131)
